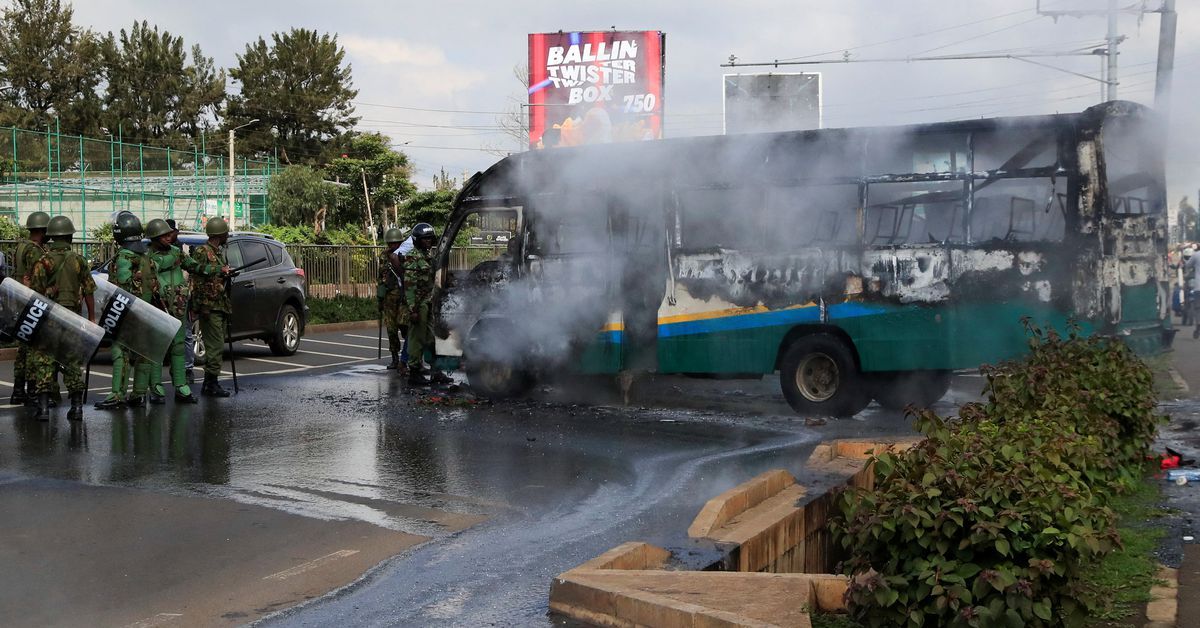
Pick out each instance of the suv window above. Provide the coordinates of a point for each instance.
(251, 251)
(276, 252)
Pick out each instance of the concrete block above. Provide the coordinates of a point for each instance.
(1163, 610)
(631, 555)
(720, 509)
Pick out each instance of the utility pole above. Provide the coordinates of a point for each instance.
(1166, 57)
(232, 212)
(1113, 40)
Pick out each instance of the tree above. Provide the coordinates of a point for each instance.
(186, 92)
(300, 196)
(386, 171)
(432, 206)
(300, 90)
(1186, 220)
(48, 68)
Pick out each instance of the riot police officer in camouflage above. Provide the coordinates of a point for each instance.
(210, 301)
(29, 251)
(173, 294)
(63, 276)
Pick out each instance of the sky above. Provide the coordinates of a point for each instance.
(438, 77)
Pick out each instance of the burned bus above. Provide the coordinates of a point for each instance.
(859, 264)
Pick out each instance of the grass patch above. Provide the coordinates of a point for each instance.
(1121, 581)
(342, 309)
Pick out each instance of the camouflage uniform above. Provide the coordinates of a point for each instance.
(27, 255)
(392, 306)
(210, 303)
(136, 274)
(174, 293)
(64, 277)
(418, 283)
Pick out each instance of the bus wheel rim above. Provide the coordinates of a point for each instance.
(817, 377)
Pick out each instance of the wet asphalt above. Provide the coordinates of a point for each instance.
(491, 500)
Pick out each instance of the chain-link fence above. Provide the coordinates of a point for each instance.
(330, 270)
(88, 179)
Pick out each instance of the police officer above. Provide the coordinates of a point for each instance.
(418, 282)
(134, 272)
(29, 251)
(173, 294)
(210, 301)
(189, 343)
(63, 276)
(392, 307)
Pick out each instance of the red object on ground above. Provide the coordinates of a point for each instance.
(1169, 462)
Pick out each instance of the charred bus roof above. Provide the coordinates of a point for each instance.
(745, 158)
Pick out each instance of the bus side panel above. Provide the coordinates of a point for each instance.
(953, 336)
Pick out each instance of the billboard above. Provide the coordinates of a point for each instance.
(595, 87)
(760, 103)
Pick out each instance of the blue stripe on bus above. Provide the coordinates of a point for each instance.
(792, 316)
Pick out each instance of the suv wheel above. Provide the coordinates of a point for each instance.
(287, 332)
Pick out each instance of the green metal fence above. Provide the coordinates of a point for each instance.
(89, 179)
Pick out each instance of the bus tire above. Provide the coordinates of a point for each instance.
(495, 380)
(488, 372)
(819, 376)
(898, 390)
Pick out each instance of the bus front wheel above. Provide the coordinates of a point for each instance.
(896, 391)
(819, 376)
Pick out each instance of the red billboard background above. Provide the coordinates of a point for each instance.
(595, 87)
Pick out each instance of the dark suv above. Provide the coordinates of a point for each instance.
(268, 298)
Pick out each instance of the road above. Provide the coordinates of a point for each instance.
(328, 491)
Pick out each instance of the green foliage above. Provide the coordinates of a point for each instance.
(10, 230)
(994, 519)
(342, 309)
(102, 232)
(48, 67)
(304, 234)
(386, 171)
(432, 207)
(1105, 389)
(299, 88)
(298, 196)
(154, 91)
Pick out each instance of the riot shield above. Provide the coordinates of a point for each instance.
(136, 324)
(28, 317)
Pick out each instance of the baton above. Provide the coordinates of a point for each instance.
(379, 352)
(229, 320)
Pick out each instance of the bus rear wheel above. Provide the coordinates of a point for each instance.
(898, 390)
(495, 380)
(819, 376)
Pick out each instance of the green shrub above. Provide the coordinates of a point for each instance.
(1105, 388)
(10, 230)
(342, 309)
(995, 517)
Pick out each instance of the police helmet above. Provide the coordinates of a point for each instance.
(216, 226)
(37, 220)
(423, 230)
(60, 226)
(393, 236)
(1188, 253)
(157, 227)
(127, 228)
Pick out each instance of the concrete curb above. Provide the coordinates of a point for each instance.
(328, 328)
(780, 555)
(1163, 608)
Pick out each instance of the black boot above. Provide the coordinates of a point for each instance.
(417, 378)
(109, 403)
(212, 388)
(19, 395)
(76, 411)
(188, 398)
(136, 401)
(41, 408)
(157, 399)
(55, 399)
(395, 362)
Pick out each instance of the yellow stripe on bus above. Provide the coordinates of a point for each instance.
(699, 316)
